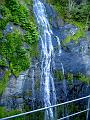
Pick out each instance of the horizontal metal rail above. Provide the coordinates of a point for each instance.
(41, 109)
(74, 114)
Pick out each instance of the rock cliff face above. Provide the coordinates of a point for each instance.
(74, 52)
(24, 93)
(18, 46)
(20, 90)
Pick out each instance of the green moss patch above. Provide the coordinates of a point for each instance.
(78, 15)
(79, 34)
(6, 16)
(83, 78)
(5, 113)
(12, 51)
(4, 81)
(58, 74)
(1, 35)
(72, 11)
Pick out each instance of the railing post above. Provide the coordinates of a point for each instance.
(88, 112)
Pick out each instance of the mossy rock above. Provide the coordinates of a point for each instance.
(58, 75)
(12, 51)
(4, 81)
(5, 113)
(1, 35)
(83, 78)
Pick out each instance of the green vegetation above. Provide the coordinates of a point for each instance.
(58, 75)
(72, 11)
(14, 55)
(77, 35)
(34, 116)
(83, 78)
(71, 108)
(70, 76)
(4, 113)
(1, 35)
(4, 81)
(18, 45)
(37, 84)
(6, 15)
(76, 13)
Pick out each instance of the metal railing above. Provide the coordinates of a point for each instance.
(53, 106)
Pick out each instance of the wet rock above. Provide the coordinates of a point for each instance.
(19, 89)
(9, 28)
(75, 90)
(1, 17)
(55, 21)
(25, 45)
(9, 99)
(3, 69)
(70, 30)
(1, 74)
(60, 22)
(88, 35)
(75, 57)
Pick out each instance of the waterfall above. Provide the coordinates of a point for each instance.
(65, 111)
(64, 81)
(20, 82)
(59, 45)
(47, 82)
(60, 51)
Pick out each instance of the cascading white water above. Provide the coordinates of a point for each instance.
(20, 82)
(64, 81)
(65, 111)
(60, 51)
(59, 45)
(46, 55)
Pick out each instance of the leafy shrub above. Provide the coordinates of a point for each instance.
(17, 57)
(5, 113)
(14, 53)
(83, 78)
(78, 13)
(69, 76)
(58, 75)
(1, 35)
(4, 81)
(6, 15)
(20, 15)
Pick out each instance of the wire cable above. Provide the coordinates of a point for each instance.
(37, 110)
(74, 114)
